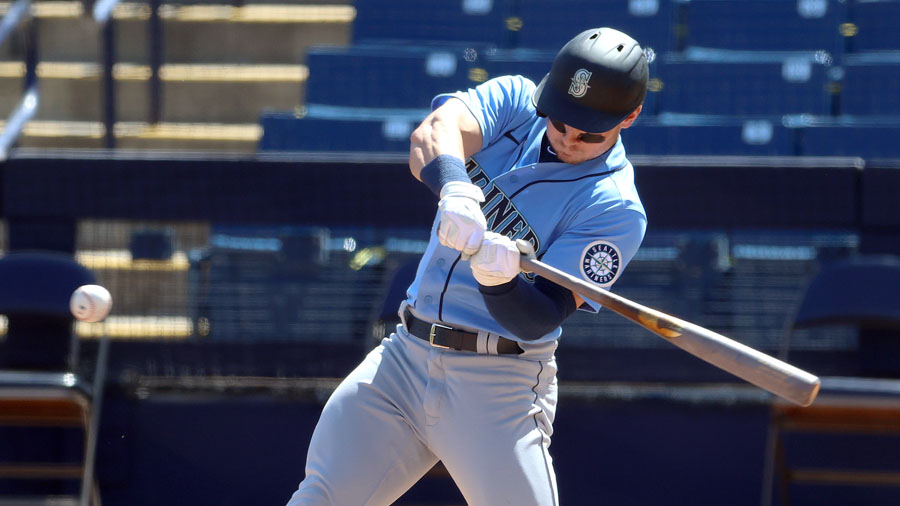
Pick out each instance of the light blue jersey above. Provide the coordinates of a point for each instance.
(584, 219)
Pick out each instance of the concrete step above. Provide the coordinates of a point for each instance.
(205, 137)
(258, 33)
(224, 66)
(190, 93)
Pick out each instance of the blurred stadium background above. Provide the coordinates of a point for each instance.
(235, 174)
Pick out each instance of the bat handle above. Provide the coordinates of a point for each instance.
(528, 254)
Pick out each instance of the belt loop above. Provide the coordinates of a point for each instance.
(492, 344)
(481, 343)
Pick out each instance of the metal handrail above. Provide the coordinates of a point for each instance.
(15, 14)
(23, 112)
(102, 14)
(20, 12)
(102, 10)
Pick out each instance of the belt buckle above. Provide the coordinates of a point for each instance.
(431, 333)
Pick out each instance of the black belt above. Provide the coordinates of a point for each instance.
(443, 336)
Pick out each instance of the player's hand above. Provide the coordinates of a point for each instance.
(462, 223)
(497, 261)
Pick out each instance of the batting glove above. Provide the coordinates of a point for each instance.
(497, 261)
(462, 223)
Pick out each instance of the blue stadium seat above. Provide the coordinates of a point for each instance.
(549, 25)
(256, 283)
(384, 76)
(752, 86)
(467, 21)
(529, 63)
(848, 139)
(708, 136)
(871, 87)
(872, 25)
(773, 25)
(287, 132)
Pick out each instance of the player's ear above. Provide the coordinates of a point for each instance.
(627, 122)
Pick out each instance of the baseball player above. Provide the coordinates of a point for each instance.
(469, 376)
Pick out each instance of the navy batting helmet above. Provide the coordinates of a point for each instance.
(597, 79)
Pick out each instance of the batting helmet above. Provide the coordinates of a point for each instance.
(597, 79)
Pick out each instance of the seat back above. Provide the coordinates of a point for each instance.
(862, 291)
(859, 293)
(35, 288)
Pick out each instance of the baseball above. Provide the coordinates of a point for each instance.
(90, 303)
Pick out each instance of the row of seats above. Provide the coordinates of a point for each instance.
(330, 130)
(665, 25)
(695, 81)
(740, 71)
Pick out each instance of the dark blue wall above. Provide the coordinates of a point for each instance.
(249, 450)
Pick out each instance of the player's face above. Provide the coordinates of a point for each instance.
(575, 146)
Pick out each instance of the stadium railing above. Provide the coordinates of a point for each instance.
(18, 14)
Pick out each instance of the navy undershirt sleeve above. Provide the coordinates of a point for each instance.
(530, 311)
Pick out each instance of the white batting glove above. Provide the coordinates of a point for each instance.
(462, 223)
(497, 261)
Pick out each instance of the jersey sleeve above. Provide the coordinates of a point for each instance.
(598, 248)
(498, 104)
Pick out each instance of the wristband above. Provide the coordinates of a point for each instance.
(442, 170)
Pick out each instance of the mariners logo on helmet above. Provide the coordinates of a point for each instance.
(579, 83)
(600, 262)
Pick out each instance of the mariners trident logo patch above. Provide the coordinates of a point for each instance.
(579, 85)
(600, 263)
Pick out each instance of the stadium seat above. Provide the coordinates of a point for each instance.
(746, 85)
(533, 64)
(771, 25)
(708, 136)
(41, 385)
(872, 25)
(870, 85)
(550, 25)
(384, 76)
(466, 21)
(842, 137)
(261, 284)
(859, 292)
(287, 132)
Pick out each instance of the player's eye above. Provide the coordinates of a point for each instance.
(583, 137)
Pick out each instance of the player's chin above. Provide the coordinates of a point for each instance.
(571, 157)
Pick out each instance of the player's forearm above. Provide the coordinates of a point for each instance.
(435, 136)
(451, 129)
(530, 311)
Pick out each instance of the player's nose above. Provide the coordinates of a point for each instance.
(570, 138)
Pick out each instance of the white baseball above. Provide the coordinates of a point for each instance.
(90, 303)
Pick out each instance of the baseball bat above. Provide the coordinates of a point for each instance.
(764, 371)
